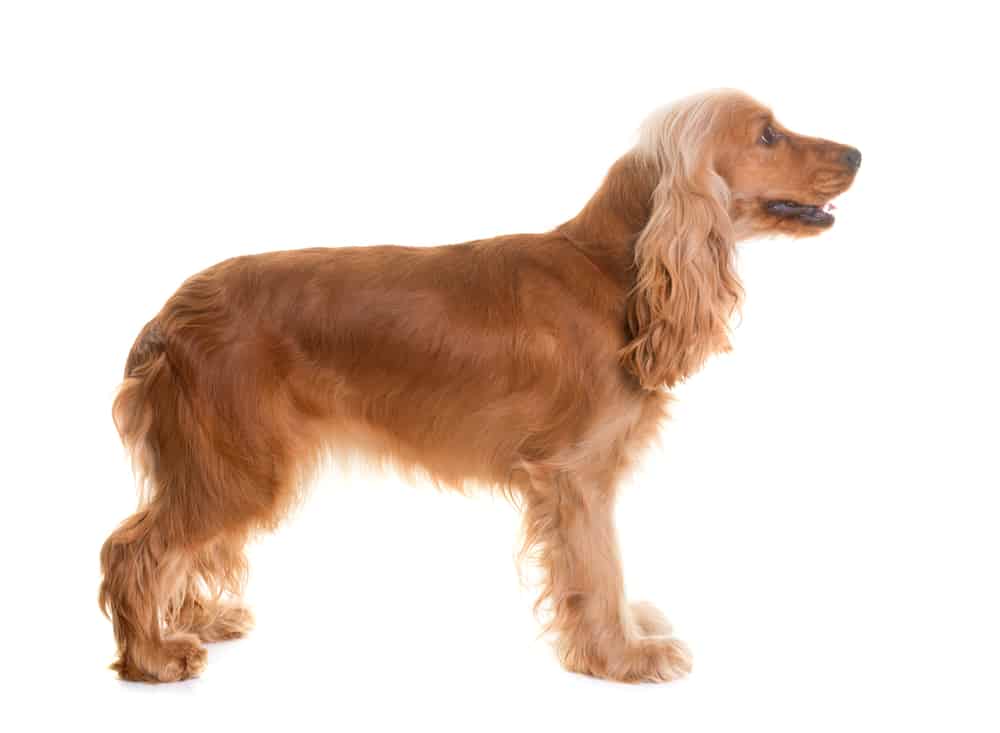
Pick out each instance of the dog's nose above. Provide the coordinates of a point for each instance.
(853, 158)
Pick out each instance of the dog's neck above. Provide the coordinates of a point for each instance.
(616, 214)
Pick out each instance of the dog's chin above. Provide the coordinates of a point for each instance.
(789, 218)
(757, 218)
(763, 225)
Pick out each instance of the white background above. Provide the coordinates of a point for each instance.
(820, 522)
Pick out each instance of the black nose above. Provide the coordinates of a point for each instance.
(852, 157)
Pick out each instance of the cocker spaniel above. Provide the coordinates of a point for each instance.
(535, 364)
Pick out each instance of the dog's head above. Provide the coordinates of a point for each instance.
(725, 170)
(768, 179)
(780, 182)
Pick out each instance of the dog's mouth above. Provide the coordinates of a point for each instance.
(818, 216)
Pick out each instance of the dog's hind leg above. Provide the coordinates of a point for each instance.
(212, 606)
(173, 572)
(142, 572)
(215, 470)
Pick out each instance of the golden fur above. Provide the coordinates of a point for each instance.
(535, 364)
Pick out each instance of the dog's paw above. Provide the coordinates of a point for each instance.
(645, 659)
(183, 658)
(671, 660)
(649, 620)
(654, 659)
(177, 657)
(231, 622)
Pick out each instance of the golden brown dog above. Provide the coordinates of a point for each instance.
(536, 364)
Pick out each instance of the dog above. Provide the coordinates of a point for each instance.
(536, 364)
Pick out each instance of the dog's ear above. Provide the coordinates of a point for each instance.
(686, 286)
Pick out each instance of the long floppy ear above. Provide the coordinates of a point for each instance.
(686, 286)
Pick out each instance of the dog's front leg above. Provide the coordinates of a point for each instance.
(569, 529)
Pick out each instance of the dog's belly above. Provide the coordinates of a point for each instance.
(461, 411)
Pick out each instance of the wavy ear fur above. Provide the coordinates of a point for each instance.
(686, 286)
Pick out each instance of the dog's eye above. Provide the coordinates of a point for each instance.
(770, 136)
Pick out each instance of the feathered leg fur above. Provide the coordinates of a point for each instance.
(570, 533)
